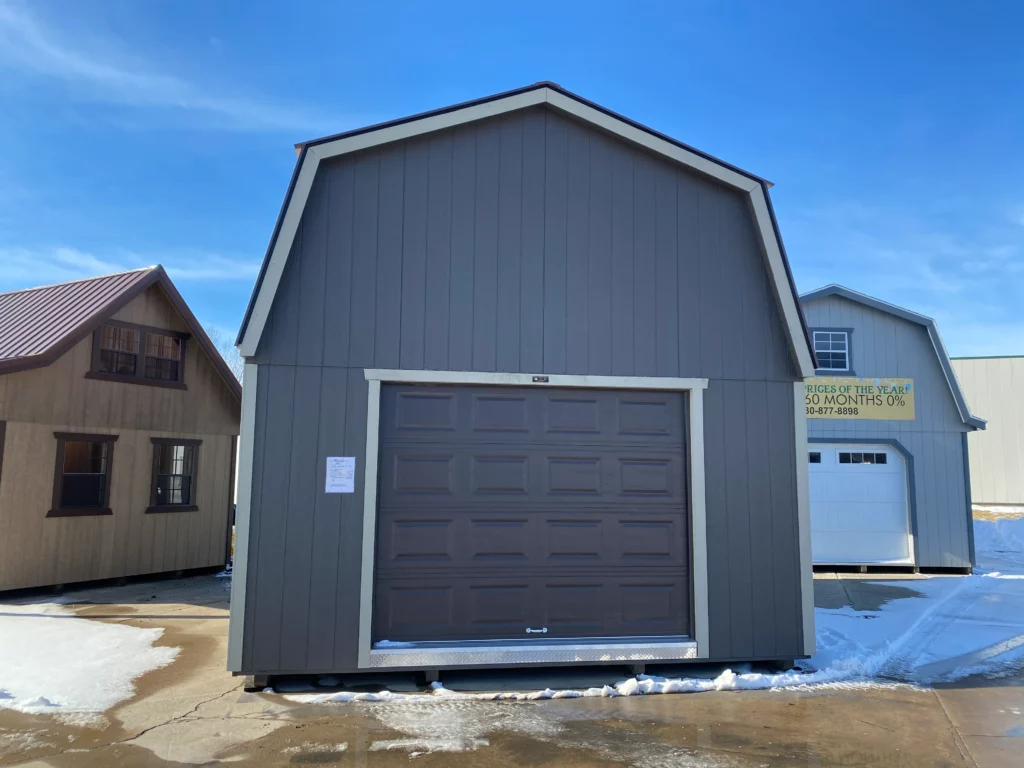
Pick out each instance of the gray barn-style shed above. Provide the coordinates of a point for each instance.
(887, 491)
(565, 353)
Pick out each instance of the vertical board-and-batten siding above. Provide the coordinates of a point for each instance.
(885, 345)
(992, 386)
(527, 243)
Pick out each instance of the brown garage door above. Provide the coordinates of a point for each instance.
(503, 509)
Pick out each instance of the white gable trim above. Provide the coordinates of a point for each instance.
(267, 289)
(310, 160)
(784, 293)
(654, 143)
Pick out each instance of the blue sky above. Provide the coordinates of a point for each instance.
(134, 133)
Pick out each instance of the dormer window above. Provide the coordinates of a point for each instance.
(119, 350)
(138, 354)
(832, 348)
(163, 357)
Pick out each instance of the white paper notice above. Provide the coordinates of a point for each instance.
(341, 474)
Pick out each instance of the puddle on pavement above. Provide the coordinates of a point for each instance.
(864, 596)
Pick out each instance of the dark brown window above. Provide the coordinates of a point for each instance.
(174, 475)
(81, 482)
(138, 354)
(163, 355)
(119, 350)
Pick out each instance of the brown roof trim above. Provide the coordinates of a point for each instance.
(156, 275)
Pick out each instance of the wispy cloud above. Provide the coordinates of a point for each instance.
(99, 71)
(26, 267)
(965, 268)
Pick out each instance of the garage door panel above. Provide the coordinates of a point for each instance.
(418, 609)
(499, 411)
(498, 541)
(571, 542)
(503, 474)
(417, 473)
(574, 475)
(574, 414)
(424, 410)
(510, 508)
(421, 413)
(411, 540)
(529, 476)
(595, 604)
(575, 609)
(421, 541)
(499, 607)
(650, 540)
(651, 607)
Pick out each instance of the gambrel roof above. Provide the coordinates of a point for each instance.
(933, 334)
(554, 97)
(38, 325)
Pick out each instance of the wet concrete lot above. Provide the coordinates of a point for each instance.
(193, 713)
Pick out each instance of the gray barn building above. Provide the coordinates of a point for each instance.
(564, 355)
(889, 485)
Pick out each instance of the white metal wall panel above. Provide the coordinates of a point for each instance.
(992, 387)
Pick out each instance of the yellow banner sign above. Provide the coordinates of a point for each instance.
(843, 397)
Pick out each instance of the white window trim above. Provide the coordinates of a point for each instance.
(698, 510)
(814, 342)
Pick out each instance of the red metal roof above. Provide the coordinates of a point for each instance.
(38, 325)
(35, 320)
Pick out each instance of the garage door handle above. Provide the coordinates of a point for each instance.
(537, 631)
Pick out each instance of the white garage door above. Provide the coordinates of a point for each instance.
(859, 511)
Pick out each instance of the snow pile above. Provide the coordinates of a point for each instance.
(639, 685)
(952, 627)
(52, 662)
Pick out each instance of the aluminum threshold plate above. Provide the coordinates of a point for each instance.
(476, 655)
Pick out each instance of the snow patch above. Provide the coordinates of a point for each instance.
(392, 644)
(18, 742)
(52, 662)
(315, 748)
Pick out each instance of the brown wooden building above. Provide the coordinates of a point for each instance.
(118, 428)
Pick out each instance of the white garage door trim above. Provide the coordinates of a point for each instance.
(698, 532)
(830, 448)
